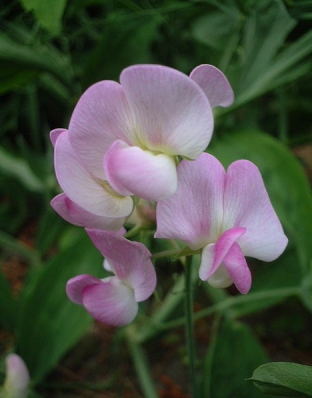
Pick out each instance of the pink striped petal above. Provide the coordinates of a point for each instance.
(247, 204)
(214, 84)
(74, 214)
(110, 302)
(75, 286)
(100, 117)
(232, 269)
(129, 260)
(131, 170)
(82, 188)
(195, 212)
(171, 114)
(236, 265)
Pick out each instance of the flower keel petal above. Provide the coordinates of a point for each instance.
(131, 170)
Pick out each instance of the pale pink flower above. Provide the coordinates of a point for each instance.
(227, 215)
(126, 138)
(114, 300)
(17, 378)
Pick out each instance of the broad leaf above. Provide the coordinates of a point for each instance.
(284, 379)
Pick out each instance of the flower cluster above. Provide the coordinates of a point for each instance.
(144, 138)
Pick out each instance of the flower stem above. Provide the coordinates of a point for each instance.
(189, 326)
(141, 365)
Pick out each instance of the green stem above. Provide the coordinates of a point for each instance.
(224, 305)
(189, 326)
(141, 365)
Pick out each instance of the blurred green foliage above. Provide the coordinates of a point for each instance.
(51, 51)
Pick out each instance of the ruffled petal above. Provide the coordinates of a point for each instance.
(236, 265)
(195, 212)
(214, 84)
(74, 214)
(171, 114)
(110, 302)
(84, 189)
(133, 171)
(75, 286)
(100, 117)
(129, 260)
(247, 204)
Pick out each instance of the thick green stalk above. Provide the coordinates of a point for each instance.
(189, 326)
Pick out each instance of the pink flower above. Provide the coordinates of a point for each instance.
(114, 300)
(227, 215)
(125, 139)
(17, 378)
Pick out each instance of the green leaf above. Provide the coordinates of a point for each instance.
(37, 57)
(17, 168)
(128, 42)
(48, 12)
(229, 362)
(285, 181)
(251, 46)
(49, 324)
(284, 379)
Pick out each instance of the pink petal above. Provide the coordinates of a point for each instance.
(74, 214)
(195, 212)
(214, 254)
(206, 268)
(236, 265)
(110, 302)
(247, 204)
(131, 170)
(170, 112)
(129, 260)
(82, 188)
(101, 116)
(17, 377)
(54, 134)
(214, 84)
(233, 267)
(75, 286)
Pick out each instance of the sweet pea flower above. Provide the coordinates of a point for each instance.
(126, 138)
(114, 300)
(17, 378)
(227, 215)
